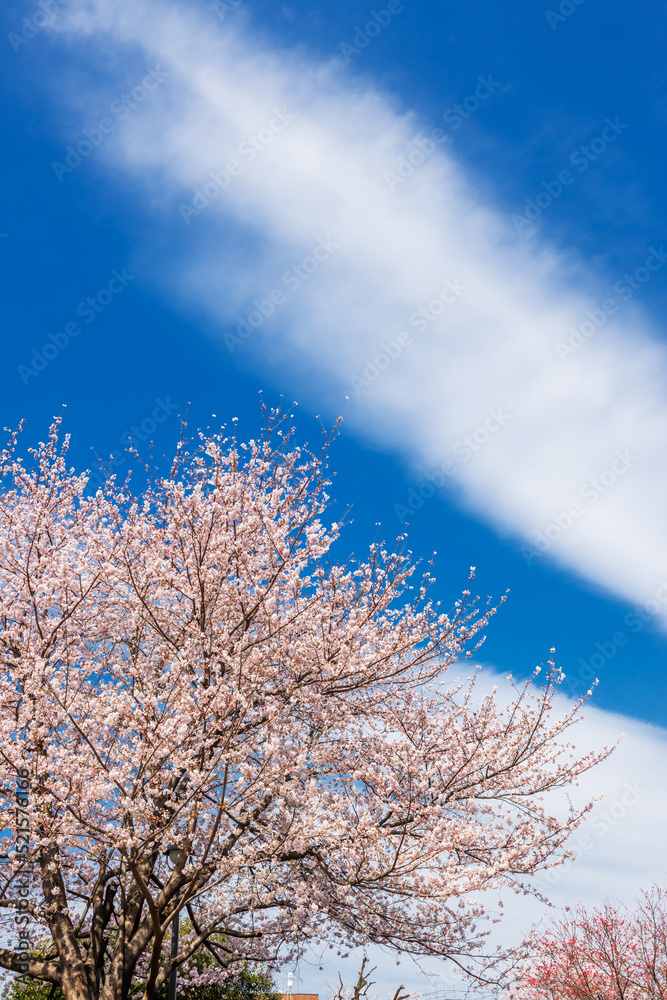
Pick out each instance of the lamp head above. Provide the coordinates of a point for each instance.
(175, 855)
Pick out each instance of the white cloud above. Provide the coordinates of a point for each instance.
(323, 175)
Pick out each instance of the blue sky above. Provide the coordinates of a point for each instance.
(578, 95)
(550, 91)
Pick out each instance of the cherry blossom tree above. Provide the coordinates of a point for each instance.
(185, 665)
(612, 952)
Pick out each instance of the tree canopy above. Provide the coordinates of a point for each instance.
(183, 664)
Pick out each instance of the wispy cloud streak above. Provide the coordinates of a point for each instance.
(305, 151)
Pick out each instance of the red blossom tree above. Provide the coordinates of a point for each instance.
(612, 952)
(183, 666)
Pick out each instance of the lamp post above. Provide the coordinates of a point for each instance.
(174, 856)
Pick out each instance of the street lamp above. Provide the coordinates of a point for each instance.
(175, 855)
